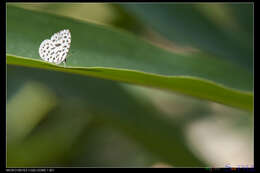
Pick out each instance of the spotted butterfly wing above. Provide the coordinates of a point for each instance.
(55, 50)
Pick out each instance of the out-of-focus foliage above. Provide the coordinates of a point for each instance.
(225, 30)
(61, 119)
(85, 97)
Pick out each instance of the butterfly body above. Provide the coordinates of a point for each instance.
(55, 50)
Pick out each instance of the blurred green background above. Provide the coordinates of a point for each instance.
(66, 120)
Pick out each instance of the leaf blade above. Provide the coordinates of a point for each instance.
(203, 89)
(112, 54)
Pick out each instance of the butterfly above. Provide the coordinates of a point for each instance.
(55, 50)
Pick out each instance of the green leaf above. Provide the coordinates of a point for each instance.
(200, 88)
(220, 28)
(103, 52)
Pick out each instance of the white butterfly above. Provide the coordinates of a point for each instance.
(56, 49)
